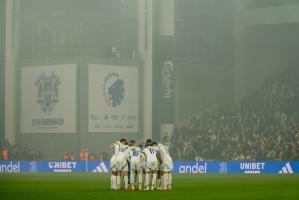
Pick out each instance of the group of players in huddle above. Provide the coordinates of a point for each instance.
(137, 164)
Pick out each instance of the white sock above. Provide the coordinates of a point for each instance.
(147, 179)
(113, 181)
(140, 179)
(161, 181)
(126, 179)
(169, 180)
(165, 180)
(154, 180)
(158, 181)
(132, 178)
(118, 181)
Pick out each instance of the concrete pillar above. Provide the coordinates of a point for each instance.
(167, 18)
(10, 76)
(145, 25)
(2, 58)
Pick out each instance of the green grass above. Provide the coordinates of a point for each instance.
(93, 186)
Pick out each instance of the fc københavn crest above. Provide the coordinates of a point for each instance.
(113, 90)
(48, 91)
(223, 168)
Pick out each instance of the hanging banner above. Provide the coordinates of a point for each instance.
(167, 79)
(48, 99)
(113, 98)
(167, 87)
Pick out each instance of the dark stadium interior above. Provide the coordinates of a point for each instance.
(232, 92)
(149, 99)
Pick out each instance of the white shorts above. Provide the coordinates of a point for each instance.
(135, 166)
(151, 165)
(122, 164)
(113, 166)
(166, 166)
(142, 165)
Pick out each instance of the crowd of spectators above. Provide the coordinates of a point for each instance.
(18, 151)
(85, 155)
(264, 126)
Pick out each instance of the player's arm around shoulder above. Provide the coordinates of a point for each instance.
(159, 157)
(143, 153)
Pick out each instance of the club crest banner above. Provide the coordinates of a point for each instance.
(113, 98)
(48, 99)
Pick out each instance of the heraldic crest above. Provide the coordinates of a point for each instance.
(48, 91)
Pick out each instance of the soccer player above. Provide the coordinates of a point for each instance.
(115, 149)
(151, 166)
(136, 170)
(148, 141)
(166, 167)
(122, 164)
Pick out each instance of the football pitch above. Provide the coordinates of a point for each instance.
(94, 186)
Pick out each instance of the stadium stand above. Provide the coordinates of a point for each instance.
(264, 126)
(18, 151)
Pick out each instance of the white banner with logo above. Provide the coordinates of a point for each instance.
(113, 98)
(48, 99)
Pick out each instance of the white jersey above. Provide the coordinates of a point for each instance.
(115, 147)
(135, 154)
(115, 150)
(136, 158)
(150, 153)
(167, 160)
(123, 152)
(151, 163)
(164, 152)
(122, 158)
